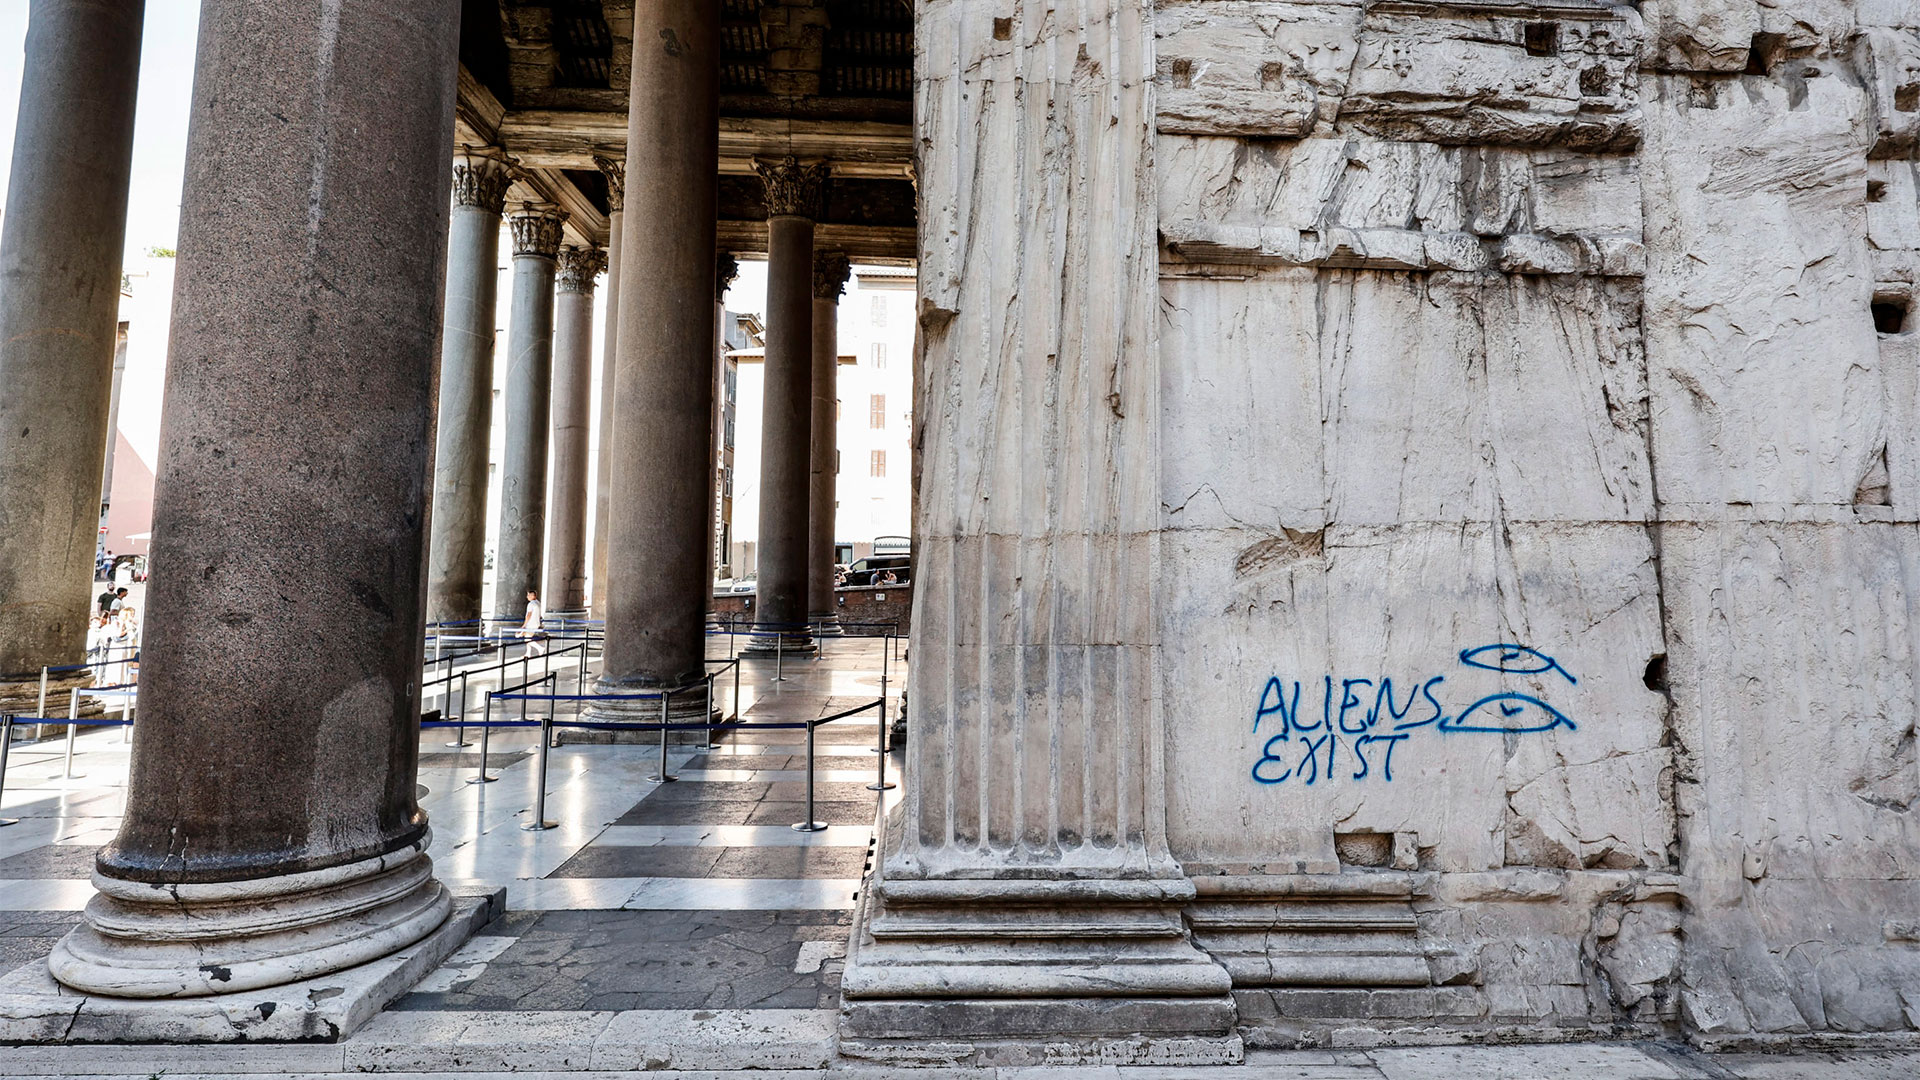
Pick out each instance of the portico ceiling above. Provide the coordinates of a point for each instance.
(831, 79)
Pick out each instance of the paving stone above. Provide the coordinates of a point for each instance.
(1612, 1061)
(790, 862)
(729, 812)
(659, 860)
(70, 862)
(831, 813)
(654, 959)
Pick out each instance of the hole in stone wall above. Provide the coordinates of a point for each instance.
(1906, 98)
(1764, 52)
(1183, 73)
(1876, 190)
(1889, 314)
(1272, 75)
(1541, 38)
(1363, 848)
(1656, 674)
(1002, 29)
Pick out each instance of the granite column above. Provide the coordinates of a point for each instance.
(523, 472)
(271, 832)
(793, 192)
(572, 407)
(615, 170)
(663, 393)
(456, 567)
(66, 219)
(830, 273)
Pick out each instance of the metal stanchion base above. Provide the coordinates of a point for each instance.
(540, 826)
(809, 826)
(6, 821)
(656, 778)
(456, 745)
(888, 786)
(481, 779)
(68, 776)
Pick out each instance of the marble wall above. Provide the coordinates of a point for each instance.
(1490, 324)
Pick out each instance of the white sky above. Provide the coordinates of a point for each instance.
(160, 130)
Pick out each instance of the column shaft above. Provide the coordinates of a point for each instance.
(616, 174)
(271, 830)
(522, 530)
(830, 272)
(786, 426)
(657, 559)
(457, 555)
(572, 407)
(59, 288)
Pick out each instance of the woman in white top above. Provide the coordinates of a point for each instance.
(530, 627)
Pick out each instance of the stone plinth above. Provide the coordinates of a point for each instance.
(34, 1008)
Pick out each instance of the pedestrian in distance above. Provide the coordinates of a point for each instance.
(531, 626)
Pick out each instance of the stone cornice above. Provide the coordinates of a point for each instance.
(536, 230)
(831, 269)
(725, 269)
(579, 266)
(794, 189)
(615, 170)
(481, 177)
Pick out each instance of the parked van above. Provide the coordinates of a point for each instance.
(870, 570)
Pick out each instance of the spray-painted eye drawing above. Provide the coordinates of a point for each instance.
(1516, 713)
(1514, 660)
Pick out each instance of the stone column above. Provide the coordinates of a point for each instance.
(657, 583)
(615, 170)
(572, 405)
(456, 565)
(59, 290)
(830, 272)
(271, 832)
(1029, 889)
(725, 269)
(523, 474)
(794, 192)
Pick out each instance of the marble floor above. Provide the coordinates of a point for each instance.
(695, 893)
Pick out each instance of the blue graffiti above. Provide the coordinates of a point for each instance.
(1370, 717)
(1514, 660)
(1519, 714)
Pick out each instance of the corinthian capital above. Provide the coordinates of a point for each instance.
(481, 177)
(794, 189)
(578, 267)
(830, 273)
(536, 230)
(615, 170)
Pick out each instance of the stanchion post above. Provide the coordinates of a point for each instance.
(486, 729)
(809, 825)
(736, 689)
(882, 784)
(6, 743)
(663, 777)
(708, 746)
(42, 711)
(126, 715)
(779, 654)
(73, 730)
(540, 822)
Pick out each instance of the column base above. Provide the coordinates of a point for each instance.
(826, 625)
(21, 697)
(789, 643)
(688, 708)
(36, 1009)
(181, 941)
(1091, 969)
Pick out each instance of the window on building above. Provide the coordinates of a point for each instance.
(879, 354)
(878, 463)
(879, 311)
(877, 411)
